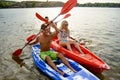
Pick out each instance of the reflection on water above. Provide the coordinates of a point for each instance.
(18, 60)
(32, 69)
(99, 27)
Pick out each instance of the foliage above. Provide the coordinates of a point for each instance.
(30, 4)
(100, 5)
(6, 4)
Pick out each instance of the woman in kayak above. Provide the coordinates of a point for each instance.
(64, 37)
(45, 39)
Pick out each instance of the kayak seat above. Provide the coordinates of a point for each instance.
(57, 62)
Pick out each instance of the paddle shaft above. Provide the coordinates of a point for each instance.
(74, 39)
(31, 40)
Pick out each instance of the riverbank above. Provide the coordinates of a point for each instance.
(34, 4)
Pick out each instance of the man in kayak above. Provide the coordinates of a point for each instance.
(45, 38)
(65, 39)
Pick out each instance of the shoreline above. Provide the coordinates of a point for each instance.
(38, 4)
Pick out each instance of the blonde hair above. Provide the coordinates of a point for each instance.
(64, 27)
(63, 24)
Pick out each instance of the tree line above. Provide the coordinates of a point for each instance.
(32, 4)
(99, 5)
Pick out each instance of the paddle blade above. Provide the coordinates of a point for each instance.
(68, 6)
(41, 18)
(31, 37)
(17, 52)
(67, 15)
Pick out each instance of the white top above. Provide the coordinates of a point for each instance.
(62, 36)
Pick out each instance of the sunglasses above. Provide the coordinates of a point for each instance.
(66, 24)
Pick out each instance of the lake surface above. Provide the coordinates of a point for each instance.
(99, 26)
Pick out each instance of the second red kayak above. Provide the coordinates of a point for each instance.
(89, 60)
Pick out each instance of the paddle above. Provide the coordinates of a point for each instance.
(32, 36)
(66, 7)
(77, 41)
(74, 39)
(41, 18)
(66, 16)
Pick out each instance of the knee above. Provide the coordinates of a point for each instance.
(68, 43)
(60, 55)
(47, 58)
(77, 44)
(74, 42)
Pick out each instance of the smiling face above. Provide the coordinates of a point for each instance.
(43, 26)
(45, 29)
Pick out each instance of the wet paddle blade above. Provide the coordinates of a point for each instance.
(68, 6)
(41, 18)
(17, 52)
(31, 37)
(67, 15)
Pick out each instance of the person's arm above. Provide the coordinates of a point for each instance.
(55, 33)
(68, 33)
(70, 36)
(34, 41)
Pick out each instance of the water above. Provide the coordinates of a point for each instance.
(99, 26)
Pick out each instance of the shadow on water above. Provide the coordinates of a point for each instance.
(100, 76)
(34, 70)
(18, 60)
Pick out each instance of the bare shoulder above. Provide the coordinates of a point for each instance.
(39, 37)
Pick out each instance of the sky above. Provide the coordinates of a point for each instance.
(79, 1)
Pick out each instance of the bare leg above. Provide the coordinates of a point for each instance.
(49, 61)
(65, 61)
(77, 46)
(68, 46)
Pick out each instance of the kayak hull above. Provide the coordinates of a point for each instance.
(81, 74)
(90, 60)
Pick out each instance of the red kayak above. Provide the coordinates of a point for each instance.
(89, 60)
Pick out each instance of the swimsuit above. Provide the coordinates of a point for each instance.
(62, 36)
(51, 54)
